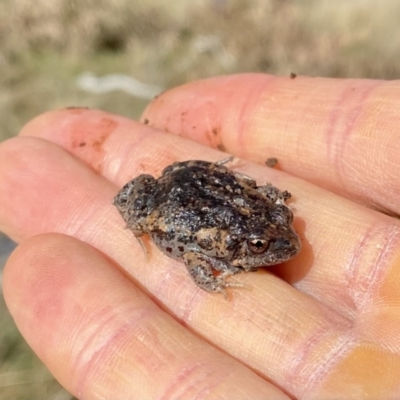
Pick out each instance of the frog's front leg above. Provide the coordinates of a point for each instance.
(201, 268)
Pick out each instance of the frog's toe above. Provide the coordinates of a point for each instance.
(144, 246)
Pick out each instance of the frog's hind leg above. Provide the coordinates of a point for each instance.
(201, 270)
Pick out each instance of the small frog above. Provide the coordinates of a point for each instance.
(217, 221)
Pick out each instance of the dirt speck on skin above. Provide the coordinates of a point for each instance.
(92, 134)
(87, 138)
(214, 138)
(76, 110)
(106, 127)
(183, 117)
(221, 147)
(271, 162)
(97, 144)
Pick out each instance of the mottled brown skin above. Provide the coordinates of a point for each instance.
(212, 218)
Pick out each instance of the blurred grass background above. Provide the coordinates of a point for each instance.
(46, 46)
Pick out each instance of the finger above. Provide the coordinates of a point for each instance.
(103, 338)
(321, 333)
(339, 134)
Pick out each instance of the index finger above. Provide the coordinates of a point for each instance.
(339, 134)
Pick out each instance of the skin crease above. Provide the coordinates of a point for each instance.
(110, 324)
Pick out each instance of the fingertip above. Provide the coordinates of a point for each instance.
(30, 266)
(214, 111)
(85, 133)
(43, 121)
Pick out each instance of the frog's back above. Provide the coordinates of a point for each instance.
(196, 196)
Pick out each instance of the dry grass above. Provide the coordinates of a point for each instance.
(45, 46)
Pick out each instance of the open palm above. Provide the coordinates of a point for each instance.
(112, 325)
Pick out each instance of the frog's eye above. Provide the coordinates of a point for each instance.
(258, 245)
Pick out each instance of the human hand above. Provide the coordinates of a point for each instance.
(108, 324)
